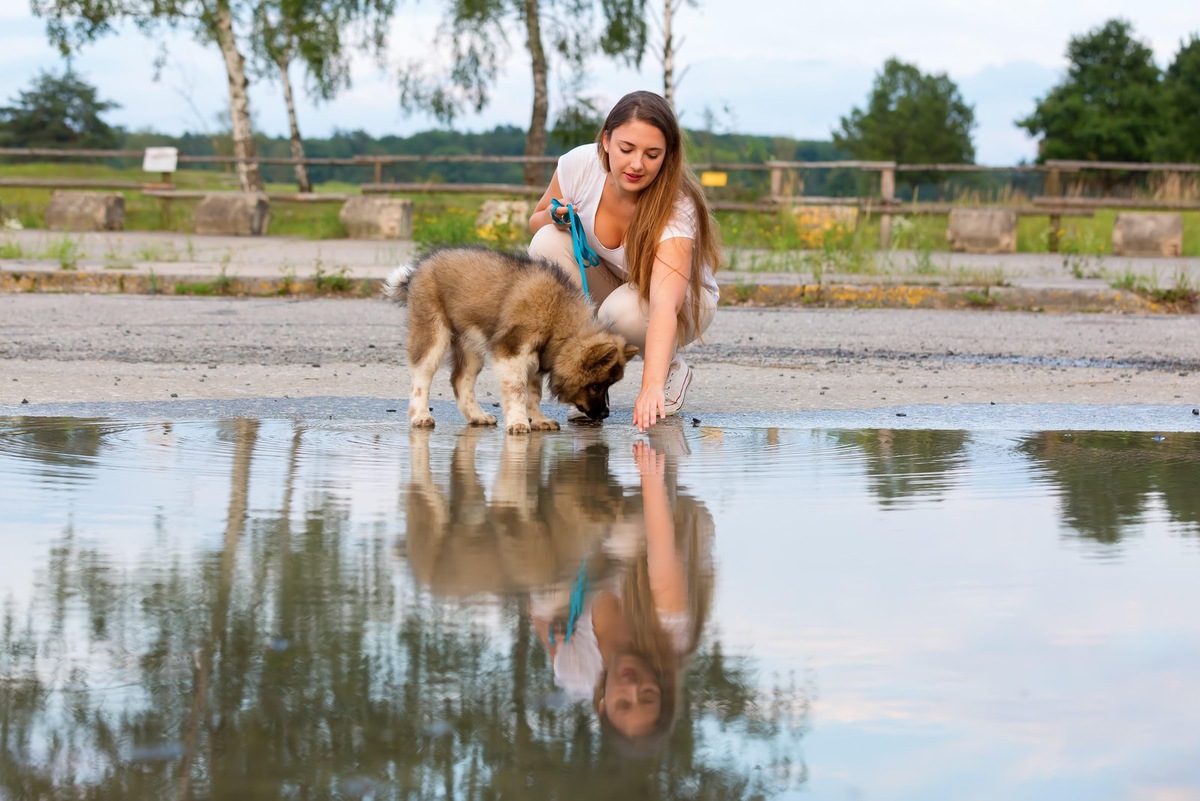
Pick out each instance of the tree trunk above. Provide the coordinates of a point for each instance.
(535, 140)
(668, 57)
(239, 101)
(302, 179)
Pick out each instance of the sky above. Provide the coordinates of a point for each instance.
(788, 68)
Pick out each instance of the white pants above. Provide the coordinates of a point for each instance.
(617, 302)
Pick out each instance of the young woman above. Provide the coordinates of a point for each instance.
(646, 217)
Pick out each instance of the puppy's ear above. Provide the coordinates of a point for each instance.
(600, 354)
(630, 352)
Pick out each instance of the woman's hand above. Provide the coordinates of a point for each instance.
(649, 408)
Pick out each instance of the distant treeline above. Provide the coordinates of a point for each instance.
(704, 147)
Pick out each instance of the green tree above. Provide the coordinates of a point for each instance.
(1181, 105)
(910, 117)
(59, 111)
(475, 33)
(1108, 108)
(73, 23)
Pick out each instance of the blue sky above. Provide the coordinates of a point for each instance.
(782, 68)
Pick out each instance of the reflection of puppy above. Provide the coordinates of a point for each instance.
(532, 526)
(526, 313)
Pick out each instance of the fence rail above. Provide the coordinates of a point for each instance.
(785, 178)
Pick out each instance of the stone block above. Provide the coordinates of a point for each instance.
(377, 217)
(232, 214)
(1148, 234)
(982, 231)
(71, 210)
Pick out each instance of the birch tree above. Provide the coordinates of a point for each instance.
(321, 35)
(71, 24)
(669, 45)
(475, 34)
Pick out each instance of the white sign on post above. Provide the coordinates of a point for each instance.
(160, 159)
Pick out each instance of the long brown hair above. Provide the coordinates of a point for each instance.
(656, 203)
(694, 532)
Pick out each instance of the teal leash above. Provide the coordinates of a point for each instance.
(584, 255)
(579, 590)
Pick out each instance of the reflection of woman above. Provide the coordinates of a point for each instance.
(632, 635)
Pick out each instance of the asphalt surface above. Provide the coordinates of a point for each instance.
(85, 347)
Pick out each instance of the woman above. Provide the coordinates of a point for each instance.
(645, 215)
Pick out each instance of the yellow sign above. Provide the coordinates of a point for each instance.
(713, 178)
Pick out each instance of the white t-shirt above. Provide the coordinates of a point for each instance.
(581, 177)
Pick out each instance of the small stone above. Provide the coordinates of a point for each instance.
(24, 401)
(174, 394)
(695, 422)
(901, 414)
(1195, 411)
(389, 410)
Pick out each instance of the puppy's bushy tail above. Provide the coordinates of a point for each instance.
(395, 287)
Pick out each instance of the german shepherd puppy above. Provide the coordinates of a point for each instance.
(526, 313)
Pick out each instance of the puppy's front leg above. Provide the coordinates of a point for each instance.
(513, 373)
(533, 406)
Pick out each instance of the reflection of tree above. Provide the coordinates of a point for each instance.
(1107, 479)
(58, 443)
(907, 463)
(284, 662)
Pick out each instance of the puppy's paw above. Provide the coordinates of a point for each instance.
(421, 421)
(482, 419)
(545, 424)
(518, 428)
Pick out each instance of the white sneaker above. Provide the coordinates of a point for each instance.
(679, 377)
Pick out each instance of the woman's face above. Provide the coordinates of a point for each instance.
(632, 698)
(636, 151)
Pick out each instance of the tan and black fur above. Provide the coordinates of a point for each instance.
(526, 314)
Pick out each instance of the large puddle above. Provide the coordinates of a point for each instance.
(280, 608)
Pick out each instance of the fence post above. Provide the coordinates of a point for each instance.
(1053, 188)
(887, 195)
(776, 181)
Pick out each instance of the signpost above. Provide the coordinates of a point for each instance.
(162, 160)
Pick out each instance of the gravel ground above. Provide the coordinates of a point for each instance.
(81, 348)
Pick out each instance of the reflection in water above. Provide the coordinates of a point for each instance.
(1107, 480)
(278, 652)
(270, 608)
(906, 464)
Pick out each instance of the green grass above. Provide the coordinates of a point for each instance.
(65, 251)
(449, 219)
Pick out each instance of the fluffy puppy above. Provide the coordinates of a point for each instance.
(526, 314)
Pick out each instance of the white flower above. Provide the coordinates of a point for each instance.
(12, 224)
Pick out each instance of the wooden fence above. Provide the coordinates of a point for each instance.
(783, 179)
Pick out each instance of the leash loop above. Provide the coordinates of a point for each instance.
(584, 255)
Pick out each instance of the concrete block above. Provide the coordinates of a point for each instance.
(71, 210)
(377, 217)
(1148, 234)
(982, 231)
(232, 214)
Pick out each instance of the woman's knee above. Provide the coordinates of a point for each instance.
(554, 245)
